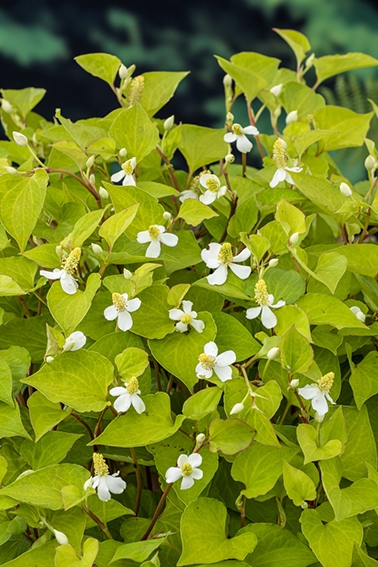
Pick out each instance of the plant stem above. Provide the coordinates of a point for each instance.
(253, 123)
(138, 479)
(157, 512)
(97, 520)
(78, 418)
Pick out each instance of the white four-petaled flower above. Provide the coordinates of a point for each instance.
(75, 341)
(186, 317)
(126, 173)
(213, 188)
(219, 257)
(318, 393)
(265, 301)
(280, 158)
(121, 309)
(103, 481)
(69, 265)
(157, 236)
(238, 134)
(187, 469)
(128, 396)
(210, 361)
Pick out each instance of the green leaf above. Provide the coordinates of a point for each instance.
(132, 129)
(244, 218)
(361, 447)
(6, 383)
(134, 430)
(285, 284)
(203, 533)
(332, 543)
(202, 146)
(116, 225)
(350, 128)
(229, 436)
(289, 315)
(102, 65)
(307, 439)
(194, 212)
(304, 100)
(159, 88)
(151, 320)
(43, 488)
(66, 556)
(319, 191)
(249, 82)
(362, 258)
(202, 403)
(259, 468)
(114, 343)
(297, 41)
(330, 269)
(291, 218)
(331, 65)
(138, 551)
(69, 310)
(296, 352)
(49, 450)
(45, 255)
(20, 270)
(131, 362)
(28, 333)
(24, 99)
(361, 559)
(298, 485)
(78, 379)
(83, 228)
(44, 415)
(10, 422)
(327, 310)
(232, 335)
(22, 200)
(72, 523)
(40, 555)
(175, 348)
(364, 379)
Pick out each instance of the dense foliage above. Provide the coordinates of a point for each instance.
(189, 356)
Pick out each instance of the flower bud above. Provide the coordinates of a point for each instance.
(292, 117)
(61, 537)
(345, 189)
(294, 383)
(92, 179)
(49, 359)
(370, 162)
(304, 505)
(229, 117)
(88, 484)
(310, 61)
(201, 437)
(358, 313)
(123, 152)
(230, 158)
(318, 418)
(277, 112)
(90, 161)
(273, 263)
(96, 248)
(283, 143)
(11, 170)
(6, 106)
(127, 274)
(122, 72)
(237, 409)
(20, 139)
(169, 122)
(273, 353)
(227, 81)
(167, 216)
(103, 193)
(276, 90)
(294, 238)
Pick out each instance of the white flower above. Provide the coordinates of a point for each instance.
(219, 257)
(186, 317)
(318, 393)
(67, 281)
(121, 308)
(210, 361)
(358, 313)
(126, 173)
(292, 117)
(103, 481)
(75, 341)
(20, 139)
(265, 301)
(128, 396)
(188, 194)
(60, 537)
(187, 469)
(345, 189)
(238, 134)
(283, 175)
(214, 190)
(155, 235)
(276, 90)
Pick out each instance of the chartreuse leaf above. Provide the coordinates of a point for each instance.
(177, 293)
(116, 225)
(151, 320)
(6, 383)
(232, 335)
(233, 287)
(331, 65)
(350, 128)
(24, 99)
(284, 284)
(249, 81)
(28, 333)
(229, 436)
(177, 348)
(202, 403)
(306, 435)
(362, 258)
(304, 100)
(114, 343)
(258, 63)
(289, 315)
(259, 467)
(159, 88)
(10, 422)
(78, 379)
(361, 496)
(134, 430)
(43, 488)
(44, 414)
(203, 533)
(49, 450)
(364, 378)
(324, 309)
(291, 218)
(132, 129)
(44, 255)
(113, 510)
(41, 555)
(131, 362)
(21, 270)
(330, 269)
(67, 557)
(296, 352)
(194, 212)
(101, 65)
(202, 146)
(361, 559)
(72, 523)
(138, 551)
(22, 200)
(69, 310)
(332, 543)
(319, 191)
(244, 218)
(297, 41)
(298, 485)
(361, 448)
(83, 228)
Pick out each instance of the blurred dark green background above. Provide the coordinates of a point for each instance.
(39, 38)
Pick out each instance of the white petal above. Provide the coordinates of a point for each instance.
(154, 249)
(198, 325)
(242, 272)
(133, 304)
(289, 179)
(242, 256)
(230, 137)
(173, 474)
(279, 304)
(122, 403)
(187, 306)
(176, 314)
(94, 482)
(103, 490)
(115, 484)
(211, 349)
(182, 460)
(181, 327)
(210, 255)
(268, 318)
(222, 191)
(205, 176)
(188, 194)
(54, 275)
(110, 313)
(138, 403)
(279, 176)
(253, 312)
(116, 177)
(169, 239)
(308, 392)
(319, 404)
(187, 482)
(208, 197)
(226, 358)
(78, 338)
(243, 144)
(68, 283)
(143, 237)
(294, 169)
(219, 276)
(125, 321)
(224, 373)
(195, 460)
(129, 180)
(203, 372)
(197, 474)
(118, 391)
(251, 130)
(330, 399)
